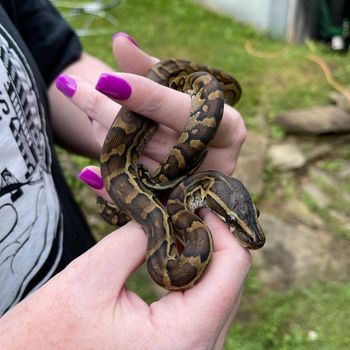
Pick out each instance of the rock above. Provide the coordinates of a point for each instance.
(296, 255)
(318, 150)
(320, 176)
(342, 219)
(250, 163)
(317, 196)
(298, 212)
(340, 101)
(286, 156)
(316, 121)
(345, 171)
(313, 147)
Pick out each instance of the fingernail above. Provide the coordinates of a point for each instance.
(113, 86)
(126, 36)
(66, 84)
(91, 179)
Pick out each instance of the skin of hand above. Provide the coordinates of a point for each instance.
(87, 306)
(166, 106)
(72, 130)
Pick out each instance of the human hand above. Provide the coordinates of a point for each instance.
(167, 107)
(179, 318)
(86, 306)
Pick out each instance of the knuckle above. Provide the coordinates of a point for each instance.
(92, 104)
(230, 167)
(241, 133)
(242, 257)
(153, 105)
(234, 125)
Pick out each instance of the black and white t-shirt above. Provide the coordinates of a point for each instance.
(41, 227)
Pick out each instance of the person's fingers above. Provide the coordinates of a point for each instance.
(130, 57)
(95, 105)
(225, 148)
(217, 294)
(102, 111)
(99, 132)
(230, 262)
(220, 341)
(226, 273)
(232, 131)
(164, 105)
(91, 175)
(167, 107)
(107, 265)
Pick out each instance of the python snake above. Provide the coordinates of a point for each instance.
(179, 243)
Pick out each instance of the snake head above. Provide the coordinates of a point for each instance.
(244, 225)
(233, 203)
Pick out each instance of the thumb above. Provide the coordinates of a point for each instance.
(110, 262)
(117, 255)
(130, 57)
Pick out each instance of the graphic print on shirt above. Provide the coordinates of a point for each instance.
(30, 217)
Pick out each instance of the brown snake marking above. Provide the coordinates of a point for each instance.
(130, 185)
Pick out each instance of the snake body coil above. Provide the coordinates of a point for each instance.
(133, 189)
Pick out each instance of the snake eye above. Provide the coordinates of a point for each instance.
(257, 212)
(231, 220)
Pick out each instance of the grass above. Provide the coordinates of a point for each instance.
(314, 318)
(180, 28)
(311, 318)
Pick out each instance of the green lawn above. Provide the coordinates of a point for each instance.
(317, 316)
(314, 318)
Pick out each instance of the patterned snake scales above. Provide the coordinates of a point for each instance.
(179, 243)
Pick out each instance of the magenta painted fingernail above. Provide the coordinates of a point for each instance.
(126, 36)
(113, 86)
(66, 84)
(91, 179)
